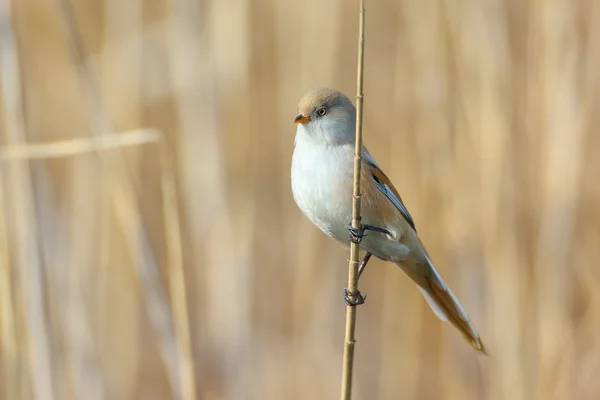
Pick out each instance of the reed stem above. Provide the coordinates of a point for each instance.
(349, 342)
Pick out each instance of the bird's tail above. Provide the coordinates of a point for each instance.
(444, 304)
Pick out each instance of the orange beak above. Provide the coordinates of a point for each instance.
(301, 119)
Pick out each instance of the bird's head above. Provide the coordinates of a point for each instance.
(327, 115)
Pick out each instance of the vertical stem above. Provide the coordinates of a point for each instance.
(349, 341)
(120, 184)
(23, 233)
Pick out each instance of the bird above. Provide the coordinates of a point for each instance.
(322, 176)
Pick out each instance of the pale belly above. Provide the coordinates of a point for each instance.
(322, 190)
(322, 180)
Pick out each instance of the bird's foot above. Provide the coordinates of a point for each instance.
(358, 297)
(356, 235)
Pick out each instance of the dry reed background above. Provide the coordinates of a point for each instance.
(485, 114)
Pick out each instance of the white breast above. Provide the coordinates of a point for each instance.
(322, 182)
(322, 178)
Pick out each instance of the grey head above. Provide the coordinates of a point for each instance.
(326, 115)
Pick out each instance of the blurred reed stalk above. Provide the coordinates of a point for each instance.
(349, 341)
(30, 275)
(9, 348)
(170, 321)
(87, 375)
(172, 328)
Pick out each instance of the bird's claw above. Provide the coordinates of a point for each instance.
(358, 297)
(356, 235)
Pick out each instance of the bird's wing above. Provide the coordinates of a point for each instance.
(384, 184)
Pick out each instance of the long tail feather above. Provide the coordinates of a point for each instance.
(447, 307)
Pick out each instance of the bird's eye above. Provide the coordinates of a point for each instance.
(322, 111)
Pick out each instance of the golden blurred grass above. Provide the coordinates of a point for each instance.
(482, 113)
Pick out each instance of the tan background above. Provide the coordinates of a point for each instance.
(485, 114)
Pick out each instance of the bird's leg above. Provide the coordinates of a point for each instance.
(363, 264)
(356, 235)
(359, 298)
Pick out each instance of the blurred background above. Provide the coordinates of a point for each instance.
(150, 247)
